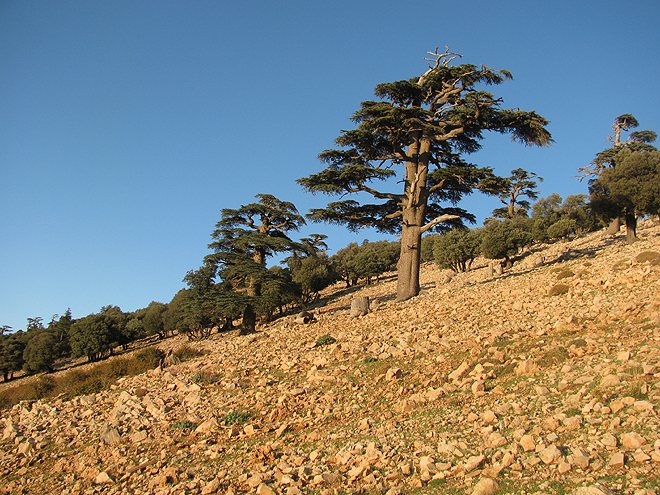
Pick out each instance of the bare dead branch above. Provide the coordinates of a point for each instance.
(437, 220)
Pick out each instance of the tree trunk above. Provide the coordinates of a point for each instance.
(631, 227)
(249, 323)
(614, 227)
(359, 306)
(408, 265)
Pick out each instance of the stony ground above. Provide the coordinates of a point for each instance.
(479, 385)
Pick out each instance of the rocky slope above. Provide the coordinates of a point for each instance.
(479, 385)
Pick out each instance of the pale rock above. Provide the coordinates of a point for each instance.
(641, 456)
(427, 465)
(597, 489)
(104, 478)
(458, 373)
(616, 406)
(211, 487)
(495, 440)
(617, 460)
(474, 462)
(550, 454)
(623, 356)
(393, 374)
(609, 440)
(527, 443)
(139, 436)
(264, 489)
(489, 416)
(478, 386)
(485, 486)
(26, 447)
(526, 367)
(563, 467)
(110, 435)
(610, 381)
(642, 406)
(632, 440)
(208, 426)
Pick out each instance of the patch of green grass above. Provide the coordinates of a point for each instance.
(236, 417)
(184, 424)
(326, 339)
(186, 352)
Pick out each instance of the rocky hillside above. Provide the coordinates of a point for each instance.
(543, 380)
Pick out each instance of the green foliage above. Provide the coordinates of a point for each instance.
(510, 189)
(150, 356)
(154, 321)
(456, 249)
(313, 274)
(236, 417)
(40, 353)
(372, 259)
(184, 424)
(552, 219)
(185, 353)
(558, 290)
(504, 239)
(326, 339)
(233, 279)
(630, 189)
(11, 354)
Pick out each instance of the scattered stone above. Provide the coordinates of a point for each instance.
(485, 486)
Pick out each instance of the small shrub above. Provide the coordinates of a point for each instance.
(184, 424)
(620, 265)
(648, 256)
(369, 359)
(235, 417)
(566, 273)
(558, 289)
(151, 356)
(43, 386)
(185, 352)
(325, 340)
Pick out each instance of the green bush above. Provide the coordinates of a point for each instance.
(558, 290)
(150, 356)
(235, 417)
(457, 249)
(185, 352)
(325, 340)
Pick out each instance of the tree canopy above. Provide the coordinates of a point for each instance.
(421, 127)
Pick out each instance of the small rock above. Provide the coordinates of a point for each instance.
(485, 486)
(609, 440)
(617, 460)
(632, 441)
(103, 478)
(211, 487)
(550, 454)
(597, 489)
(474, 462)
(264, 489)
(610, 381)
(527, 443)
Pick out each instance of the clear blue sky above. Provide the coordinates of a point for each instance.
(126, 126)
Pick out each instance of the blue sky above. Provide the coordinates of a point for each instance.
(126, 126)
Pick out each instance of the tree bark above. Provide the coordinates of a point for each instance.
(614, 227)
(359, 306)
(631, 227)
(408, 265)
(249, 323)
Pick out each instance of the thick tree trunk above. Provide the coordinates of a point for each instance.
(631, 227)
(249, 323)
(409, 260)
(614, 227)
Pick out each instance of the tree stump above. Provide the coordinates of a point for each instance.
(490, 270)
(359, 306)
(304, 318)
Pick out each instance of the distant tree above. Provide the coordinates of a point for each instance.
(637, 141)
(244, 238)
(4, 328)
(60, 327)
(420, 126)
(40, 353)
(372, 259)
(457, 249)
(630, 189)
(153, 321)
(520, 184)
(342, 261)
(504, 239)
(95, 335)
(11, 355)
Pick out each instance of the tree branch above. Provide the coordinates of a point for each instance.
(436, 221)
